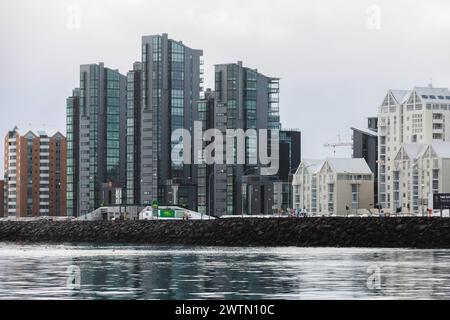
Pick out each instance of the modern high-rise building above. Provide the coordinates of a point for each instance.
(365, 145)
(170, 89)
(73, 147)
(35, 174)
(418, 116)
(290, 158)
(212, 178)
(290, 153)
(243, 99)
(96, 123)
(133, 159)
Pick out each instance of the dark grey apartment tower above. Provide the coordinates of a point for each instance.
(73, 149)
(250, 100)
(134, 80)
(290, 158)
(365, 145)
(98, 139)
(290, 153)
(171, 79)
(212, 178)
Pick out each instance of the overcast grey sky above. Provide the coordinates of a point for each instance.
(335, 58)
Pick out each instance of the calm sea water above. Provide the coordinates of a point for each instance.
(149, 272)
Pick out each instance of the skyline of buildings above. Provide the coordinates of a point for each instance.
(120, 144)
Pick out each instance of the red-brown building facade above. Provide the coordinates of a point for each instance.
(35, 174)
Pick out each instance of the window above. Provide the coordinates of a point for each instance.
(354, 196)
(331, 197)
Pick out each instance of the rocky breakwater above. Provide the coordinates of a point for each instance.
(310, 232)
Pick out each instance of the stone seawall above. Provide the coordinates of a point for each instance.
(310, 232)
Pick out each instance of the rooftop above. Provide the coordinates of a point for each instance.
(24, 130)
(349, 165)
(366, 131)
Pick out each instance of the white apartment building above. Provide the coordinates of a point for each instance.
(335, 186)
(420, 115)
(419, 171)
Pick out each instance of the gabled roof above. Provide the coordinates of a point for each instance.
(424, 94)
(31, 130)
(414, 150)
(310, 165)
(400, 95)
(349, 165)
(442, 149)
(313, 166)
(441, 95)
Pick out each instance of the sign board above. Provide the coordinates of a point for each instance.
(441, 201)
(167, 213)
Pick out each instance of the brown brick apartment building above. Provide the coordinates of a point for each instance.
(35, 174)
(2, 198)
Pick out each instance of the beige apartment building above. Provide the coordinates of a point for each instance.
(334, 186)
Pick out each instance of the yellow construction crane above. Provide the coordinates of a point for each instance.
(338, 145)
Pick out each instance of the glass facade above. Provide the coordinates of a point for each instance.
(170, 92)
(157, 79)
(246, 94)
(72, 128)
(112, 126)
(177, 96)
(133, 137)
(202, 183)
(94, 108)
(274, 104)
(96, 137)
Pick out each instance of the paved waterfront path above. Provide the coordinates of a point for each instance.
(309, 232)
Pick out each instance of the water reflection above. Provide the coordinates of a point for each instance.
(139, 272)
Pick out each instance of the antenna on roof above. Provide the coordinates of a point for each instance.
(430, 85)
